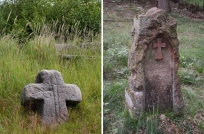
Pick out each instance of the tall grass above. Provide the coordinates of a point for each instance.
(19, 67)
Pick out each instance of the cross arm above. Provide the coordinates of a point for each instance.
(154, 45)
(72, 94)
(32, 94)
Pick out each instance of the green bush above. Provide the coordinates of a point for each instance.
(64, 17)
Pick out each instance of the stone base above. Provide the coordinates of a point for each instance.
(134, 102)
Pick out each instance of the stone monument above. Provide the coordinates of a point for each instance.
(153, 62)
(49, 96)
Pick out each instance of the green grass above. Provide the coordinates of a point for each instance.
(117, 119)
(195, 2)
(117, 40)
(116, 45)
(19, 67)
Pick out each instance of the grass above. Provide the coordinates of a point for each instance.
(195, 2)
(117, 40)
(116, 46)
(19, 67)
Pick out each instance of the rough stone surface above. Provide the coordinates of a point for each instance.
(92, 45)
(49, 96)
(60, 47)
(154, 61)
(63, 47)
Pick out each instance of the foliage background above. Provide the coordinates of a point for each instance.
(22, 17)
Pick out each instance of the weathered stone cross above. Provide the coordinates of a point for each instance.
(159, 45)
(49, 96)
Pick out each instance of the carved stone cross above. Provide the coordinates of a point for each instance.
(159, 45)
(49, 96)
(154, 63)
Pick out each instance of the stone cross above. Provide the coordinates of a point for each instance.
(154, 83)
(159, 45)
(49, 96)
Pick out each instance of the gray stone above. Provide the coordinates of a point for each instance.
(92, 45)
(60, 47)
(64, 47)
(154, 62)
(49, 96)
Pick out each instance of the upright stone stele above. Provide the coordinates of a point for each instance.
(49, 96)
(154, 61)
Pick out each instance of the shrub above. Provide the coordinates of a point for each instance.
(18, 17)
